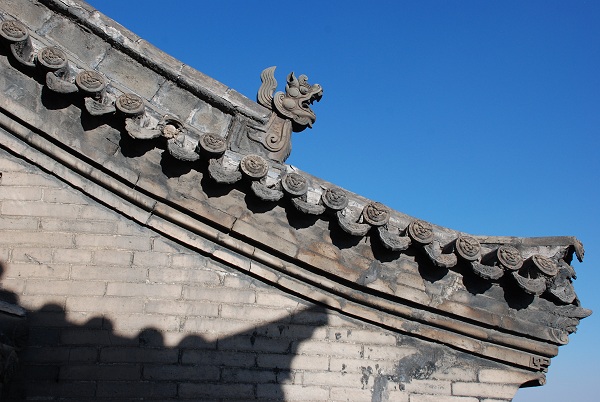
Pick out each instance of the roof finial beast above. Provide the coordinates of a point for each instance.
(295, 103)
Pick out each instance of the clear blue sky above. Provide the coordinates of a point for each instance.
(482, 116)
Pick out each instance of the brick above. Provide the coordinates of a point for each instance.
(100, 372)
(254, 376)
(238, 282)
(310, 317)
(349, 380)
(506, 376)
(87, 354)
(4, 254)
(84, 336)
(216, 326)
(218, 295)
(76, 389)
(32, 255)
(113, 242)
(95, 212)
(276, 299)
(63, 255)
(435, 387)
(171, 275)
(20, 193)
(19, 223)
(350, 365)
(14, 285)
(43, 372)
(362, 336)
(182, 308)
(46, 287)
(159, 291)
(254, 313)
(35, 302)
(218, 358)
(456, 374)
(151, 259)
(355, 395)
(132, 228)
(105, 304)
(63, 196)
(139, 321)
(138, 355)
(293, 362)
(173, 372)
(219, 267)
(136, 389)
(54, 316)
(289, 331)
(290, 392)
(113, 257)
(220, 391)
(10, 164)
(47, 239)
(440, 398)
(478, 389)
(329, 349)
(54, 271)
(46, 354)
(255, 343)
(30, 179)
(188, 261)
(114, 273)
(165, 246)
(76, 226)
(42, 336)
(384, 352)
(38, 208)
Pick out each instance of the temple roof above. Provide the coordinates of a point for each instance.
(198, 162)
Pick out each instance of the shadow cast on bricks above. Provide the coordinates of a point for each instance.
(59, 359)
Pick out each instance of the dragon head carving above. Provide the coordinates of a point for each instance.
(295, 102)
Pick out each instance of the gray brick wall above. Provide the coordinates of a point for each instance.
(117, 312)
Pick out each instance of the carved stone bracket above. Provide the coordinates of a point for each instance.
(294, 184)
(221, 174)
(421, 232)
(254, 167)
(266, 193)
(376, 214)
(348, 221)
(212, 144)
(21, 47)
(489, 272)
(509, 258)
(335, 199)
(435, 253)
(392, 239)
(468, 248)
(58, 76)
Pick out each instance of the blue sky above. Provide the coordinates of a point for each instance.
(482, 116)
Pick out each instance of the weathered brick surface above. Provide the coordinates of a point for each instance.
(118, 312)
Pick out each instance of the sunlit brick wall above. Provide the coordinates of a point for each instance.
(117, 311)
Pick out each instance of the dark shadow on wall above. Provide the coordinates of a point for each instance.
(63, 360)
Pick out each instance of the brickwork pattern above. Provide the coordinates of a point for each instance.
(118, 312)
